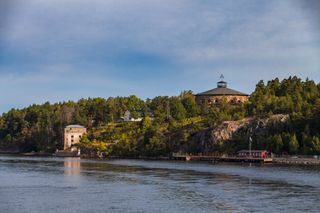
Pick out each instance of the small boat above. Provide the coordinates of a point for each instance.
(73, 152)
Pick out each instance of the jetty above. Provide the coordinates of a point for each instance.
(220, 158)
(297, 161)
(72, 152)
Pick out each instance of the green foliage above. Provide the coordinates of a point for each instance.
(161, 108)
(222, 112)
(316, 144)
(177, 109)
(145, 124)
(134, 114)
(189, 102)
(213, 117)
(153, 143)
(204, 108)
(277, 144)
(293, 145)
(288, 96)
(274, 144)
(125, 148)
(171, 123)
(85, 139)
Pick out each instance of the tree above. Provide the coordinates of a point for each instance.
(160, 106)
(153, 143)
(293, 145)
(307, 144)
(40, 127)
(134, 103)
(286, 138)
(156, 146)
(316, 144)
(213, 117)
(278, 144)
(85, 139)
(178, 111)
(145, 124)
(204, 107)
(134, 114)
(189, 102)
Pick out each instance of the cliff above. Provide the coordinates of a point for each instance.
(232, 133)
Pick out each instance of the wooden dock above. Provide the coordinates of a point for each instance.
(297, 161)
(215, 158)
(244, 159)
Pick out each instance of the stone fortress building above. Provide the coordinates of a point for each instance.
(215, 96)
(73, 135)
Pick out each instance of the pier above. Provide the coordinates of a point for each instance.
(218, 158)
(297, 161)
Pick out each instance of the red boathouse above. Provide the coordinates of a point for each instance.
(254, 153)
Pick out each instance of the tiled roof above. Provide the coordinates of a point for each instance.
(221, 91)
(75, 126)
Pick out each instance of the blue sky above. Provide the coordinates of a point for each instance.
(56, 50)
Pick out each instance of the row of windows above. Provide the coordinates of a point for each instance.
(252, 154)
(72, 136)
(217, 101)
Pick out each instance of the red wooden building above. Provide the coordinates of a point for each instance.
(254, 153)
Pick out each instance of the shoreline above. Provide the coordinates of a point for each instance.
(276, 161)
(296, 161)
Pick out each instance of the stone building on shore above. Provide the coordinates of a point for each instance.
(216, 95)
(73, 135)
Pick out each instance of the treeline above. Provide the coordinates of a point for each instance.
(290, 96)
(300, 133)
(170, 123)
(40, 127)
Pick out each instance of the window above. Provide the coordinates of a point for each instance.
(72, 136)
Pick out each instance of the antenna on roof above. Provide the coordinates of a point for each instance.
(222, 83)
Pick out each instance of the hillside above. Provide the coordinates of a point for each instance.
(282, 117)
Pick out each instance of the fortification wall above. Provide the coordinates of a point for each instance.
(233, 99)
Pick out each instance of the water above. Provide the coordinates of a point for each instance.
(33, 184)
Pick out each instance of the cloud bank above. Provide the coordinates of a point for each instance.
(67, 49)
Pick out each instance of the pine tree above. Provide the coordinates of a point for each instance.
(293, 145)
(278, 144)
(178, 111)
(316, 144)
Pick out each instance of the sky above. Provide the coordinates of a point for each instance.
(59, 50)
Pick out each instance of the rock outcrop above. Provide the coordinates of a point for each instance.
(206, 140)
(228, 129)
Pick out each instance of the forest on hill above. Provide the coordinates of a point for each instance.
(171, 124)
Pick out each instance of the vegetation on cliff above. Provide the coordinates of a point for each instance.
(172, 124)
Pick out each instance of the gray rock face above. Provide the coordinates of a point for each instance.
(227, 129)
(207, 139)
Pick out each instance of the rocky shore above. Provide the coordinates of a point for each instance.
(297, 161)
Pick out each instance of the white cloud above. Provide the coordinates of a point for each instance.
(53, 40)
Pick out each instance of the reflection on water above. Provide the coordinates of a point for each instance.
(72, 166)
(30, 184)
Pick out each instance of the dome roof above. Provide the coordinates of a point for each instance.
(221, 91)
(75, 126)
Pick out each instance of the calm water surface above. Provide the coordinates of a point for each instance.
(33, 184)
